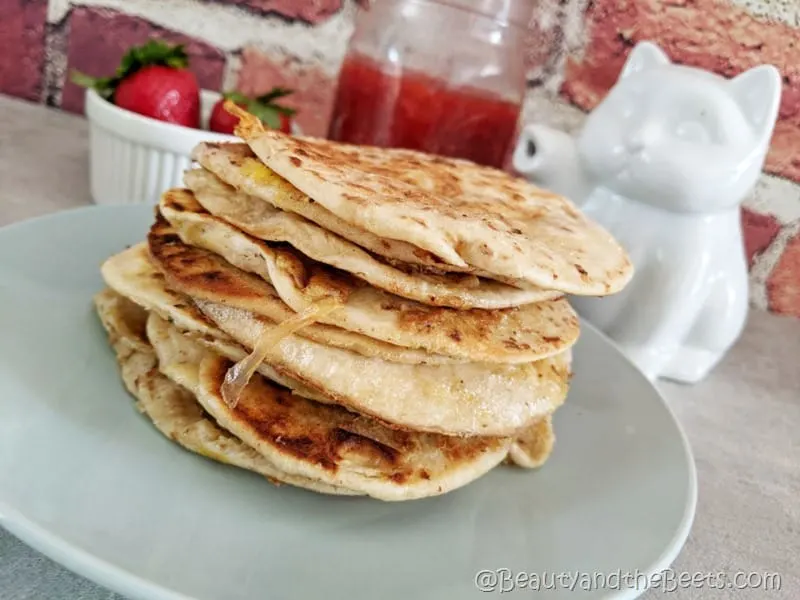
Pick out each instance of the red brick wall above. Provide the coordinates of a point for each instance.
(22, 35)
(254, 45)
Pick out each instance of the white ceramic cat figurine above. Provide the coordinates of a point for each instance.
(663, 163)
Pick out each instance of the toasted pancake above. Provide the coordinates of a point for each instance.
(236, 165)
(131, 275)
(457, 399)
(202, 274)
(466, 214)
(461, 399)
(325, 443)
(533, 446)
(265, 222)
(173, 410)
(515, 335)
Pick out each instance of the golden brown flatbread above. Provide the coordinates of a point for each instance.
(533, 446)
(237, 166)
(456, 399)
(514, 335)
(268, 223)
(323, 443)
(173, 410)
(202, 274)
(466, 214)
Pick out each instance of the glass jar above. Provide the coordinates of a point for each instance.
(441, 76)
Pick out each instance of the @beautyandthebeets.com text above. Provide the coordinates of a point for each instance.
(505, 580)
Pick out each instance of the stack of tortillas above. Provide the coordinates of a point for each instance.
(354, 320)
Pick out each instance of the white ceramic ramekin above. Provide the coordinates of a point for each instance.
(133, 159)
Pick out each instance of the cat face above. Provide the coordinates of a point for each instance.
(681, 138)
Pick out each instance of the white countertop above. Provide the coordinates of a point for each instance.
(743, 422)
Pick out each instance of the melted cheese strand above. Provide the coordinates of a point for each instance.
(238, 376)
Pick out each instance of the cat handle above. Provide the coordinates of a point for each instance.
(549, 158)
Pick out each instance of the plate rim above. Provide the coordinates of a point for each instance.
(681, 535)
(120, 580)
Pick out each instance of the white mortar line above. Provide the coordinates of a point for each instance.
(784, 11)
(230, 76)
(548, 108)
(57, 10)
(766, 263)
(776, 196)
(574, 27)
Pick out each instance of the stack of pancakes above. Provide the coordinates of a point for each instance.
(354, 320)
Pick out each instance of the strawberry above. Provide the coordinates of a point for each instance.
(273, 115)
(152, 80)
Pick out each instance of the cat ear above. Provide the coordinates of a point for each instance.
(758, 92)
(645, 55)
